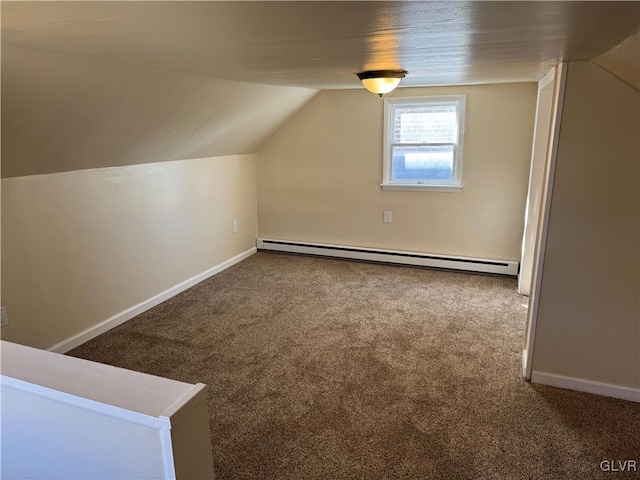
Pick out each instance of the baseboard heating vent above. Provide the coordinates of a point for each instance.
(502, 267)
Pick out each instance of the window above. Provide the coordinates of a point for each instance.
(423, 143)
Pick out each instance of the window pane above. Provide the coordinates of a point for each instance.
(433, 124)
(428, 163)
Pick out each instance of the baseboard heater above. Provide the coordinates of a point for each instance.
(502, 267)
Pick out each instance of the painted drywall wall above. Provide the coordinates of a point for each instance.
(83, 420)
(62, 113)
(588, 324)
(319, 176)
(623, 61)
(81, 246)
(73, 441)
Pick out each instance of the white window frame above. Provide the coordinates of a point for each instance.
(455, 185)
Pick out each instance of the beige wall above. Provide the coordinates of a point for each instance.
(319, 176)
(588, 324)
(61, 114)
(79, 247)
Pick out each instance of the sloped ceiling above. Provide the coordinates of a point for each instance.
(62, 113)
(624, 61)
(96, 84)
(322, 44)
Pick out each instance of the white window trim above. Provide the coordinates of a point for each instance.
(456, 184)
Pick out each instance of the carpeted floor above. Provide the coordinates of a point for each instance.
(326, 369)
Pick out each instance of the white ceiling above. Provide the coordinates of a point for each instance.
(323, 44)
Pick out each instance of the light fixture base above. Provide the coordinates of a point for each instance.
(382, 74)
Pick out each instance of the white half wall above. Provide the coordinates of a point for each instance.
(319, 177)
(74, 438)
(65, 417)
(80, 247)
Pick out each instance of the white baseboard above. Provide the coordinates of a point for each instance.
(524, 363)
(589, 386)
(119, 318)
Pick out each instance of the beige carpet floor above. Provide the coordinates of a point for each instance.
(327, 369)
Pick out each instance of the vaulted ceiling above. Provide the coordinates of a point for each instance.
(322, 44)
(623, 61)
(95, 84)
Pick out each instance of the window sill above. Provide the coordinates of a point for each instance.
(417, 187)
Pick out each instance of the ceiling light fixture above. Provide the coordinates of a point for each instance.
(381, 81)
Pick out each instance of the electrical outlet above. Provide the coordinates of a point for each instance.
(4, 318)
(234, 226)
(387, 216)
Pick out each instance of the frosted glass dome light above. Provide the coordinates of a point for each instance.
(381, 81)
